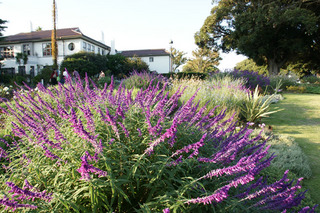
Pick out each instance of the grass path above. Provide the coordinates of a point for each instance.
(301, 120)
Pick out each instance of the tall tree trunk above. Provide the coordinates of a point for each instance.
(54, 39)
(274, 66)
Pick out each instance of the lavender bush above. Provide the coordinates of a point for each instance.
(81, 149)
(252, 78)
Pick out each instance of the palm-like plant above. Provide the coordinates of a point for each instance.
(256, 107)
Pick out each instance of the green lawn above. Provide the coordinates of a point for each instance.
(301, 120)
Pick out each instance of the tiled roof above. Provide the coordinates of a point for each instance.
(42, 35)
(141, 53)
(46, 35)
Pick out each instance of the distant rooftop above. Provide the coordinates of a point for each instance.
(141, 53)
(44, 35)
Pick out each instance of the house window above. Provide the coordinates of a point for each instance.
(71, 46)
(26, 49)
(85, 46)
(89, 47)
(7, 52)
(102, 51)
(98, 50)
(93, 48)
(46, 49)
(150, 59)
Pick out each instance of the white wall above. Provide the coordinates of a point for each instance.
(161, 64)
(37, 59)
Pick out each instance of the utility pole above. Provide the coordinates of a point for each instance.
(54, 39)
(171, 43)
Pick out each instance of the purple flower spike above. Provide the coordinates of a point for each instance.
(167, 210)
(85, 170)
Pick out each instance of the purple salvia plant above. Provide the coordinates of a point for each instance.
(13, 205)
(25, 194)
(85, 169)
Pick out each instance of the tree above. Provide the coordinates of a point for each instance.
(271, 32)
(39, 29)
(204, 61)
(2, 28)
(250, 65)
(2, 22)
(54, 39)
(177, 58)
(23, 57)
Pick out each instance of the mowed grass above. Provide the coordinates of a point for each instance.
(301, 120)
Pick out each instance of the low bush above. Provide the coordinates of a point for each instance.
(288, 152)
(310, 79)
(252, 78)
(297, 89)
(76, 149)
(285, 80)
(255, 107)
(313, 88)
(142, 80)
(221, 93)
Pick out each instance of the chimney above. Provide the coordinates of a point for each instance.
(113, 50)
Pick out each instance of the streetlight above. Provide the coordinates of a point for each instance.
(171, 43)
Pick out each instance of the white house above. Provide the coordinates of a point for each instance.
(37, 46)
(157, 59)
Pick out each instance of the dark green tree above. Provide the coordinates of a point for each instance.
(203, 61)
(2, 28)
(272, 32)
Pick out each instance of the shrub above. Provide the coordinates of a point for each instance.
(143, 79)
(298, 89)
(256, 107)
(286, 81)
(253, 79)
(313, 88)
(310, 79)
(288, 152)
(81, 150)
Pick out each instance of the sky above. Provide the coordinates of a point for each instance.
(132, 24)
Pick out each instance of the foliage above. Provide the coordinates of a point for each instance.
(256, 107)
(288, 152)
(252, 78)
(142, 80)
(92, 64)
(298, 89)
(204, 61)
(177, 58)
(269, 32)
(5, 92)
(84, 62)
(23, 57)
(77, 149)
(186, 75)
(44, 74)
(311, 79)
(225, 93)
(315, 88)
(286, 81)
(2, 22)
(135, 64)
(249, 64)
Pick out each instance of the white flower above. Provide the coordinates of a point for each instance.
(7, 93)
(6, 89)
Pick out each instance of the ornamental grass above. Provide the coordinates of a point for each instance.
(76, 148)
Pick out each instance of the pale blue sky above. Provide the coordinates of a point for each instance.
(133, 24)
